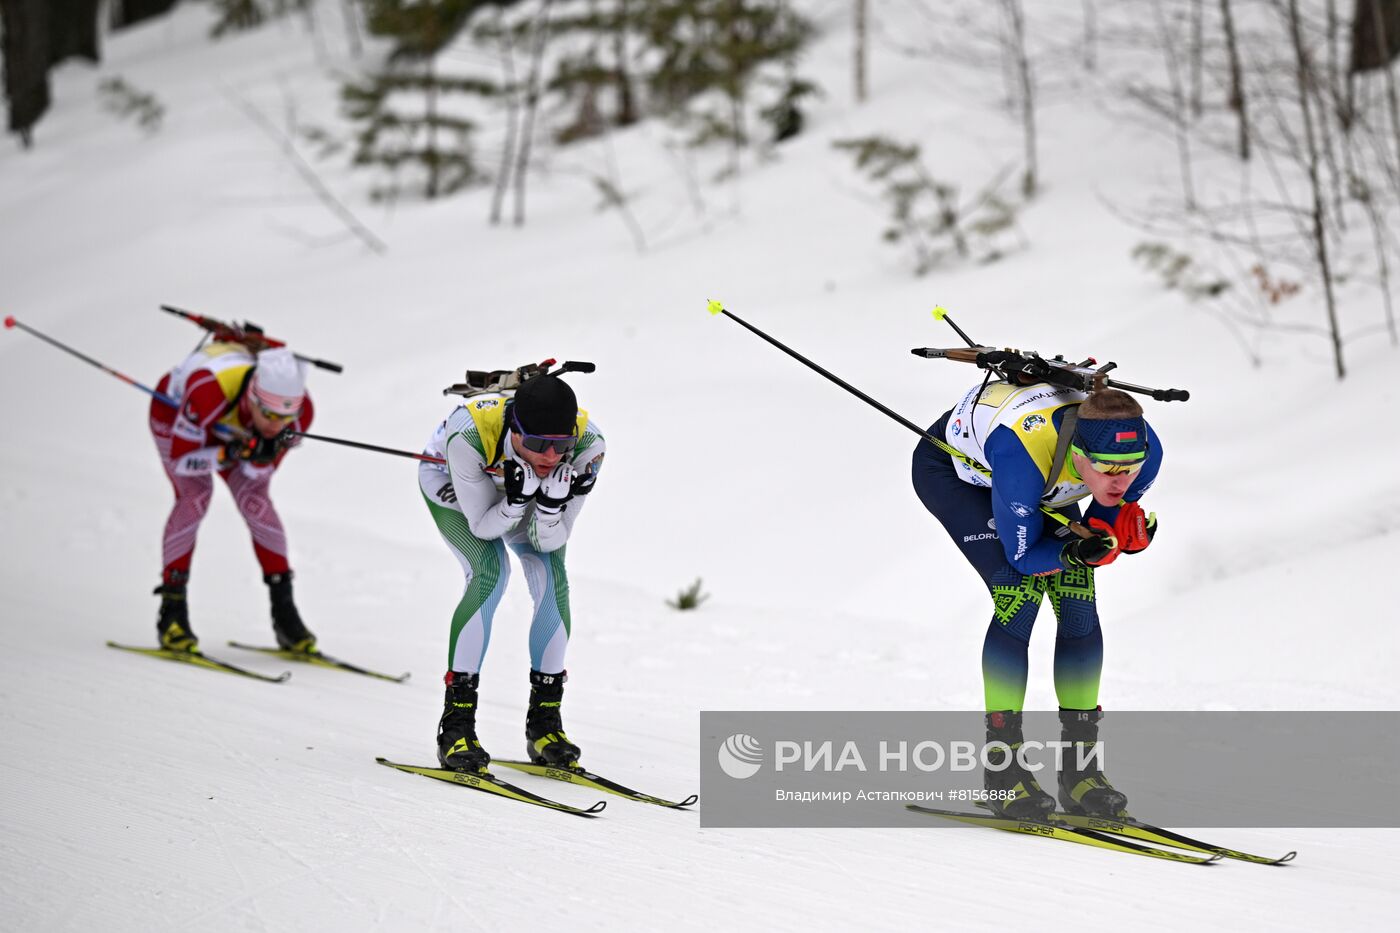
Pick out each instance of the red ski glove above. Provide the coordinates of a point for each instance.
(1134, 530)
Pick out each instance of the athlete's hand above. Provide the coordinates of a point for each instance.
(556, 488)
(1094, 551)
(521, 481)
(257, 450)
(1134, 530)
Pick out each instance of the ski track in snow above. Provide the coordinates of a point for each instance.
(141, 794)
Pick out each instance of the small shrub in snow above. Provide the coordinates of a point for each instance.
(689, 598)
(126, 101)
(928, 215)
(1180, 272)
(241, 15)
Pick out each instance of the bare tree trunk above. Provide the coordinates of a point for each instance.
(73, 30)
(498, 195)
(26, 53)
(1378, 233)
(308, 11)
(1319, 228)
(308, 174)
(128, 12)
(736, 117)
(610, 186)
(1334, 69)
(1237, 96)
(1089, 27)
(1383, 47)
(1335, 96)
(1009, 80)
(1026, 83)
(352, 27)
(736, 148)
(531, 106)
(1197, 53)
(1179, 117)
(862, 10)
(682, 157)
(626, 100)
(431, 149)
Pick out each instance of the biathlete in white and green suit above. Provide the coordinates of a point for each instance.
(518, 471)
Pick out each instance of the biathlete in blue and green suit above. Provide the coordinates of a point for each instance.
(1021, 449)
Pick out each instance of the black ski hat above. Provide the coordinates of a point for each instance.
(546, 405)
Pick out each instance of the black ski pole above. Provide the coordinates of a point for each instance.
(717, 307)
(374, 447)
(164, 399)
(940, 313)
(158, 396)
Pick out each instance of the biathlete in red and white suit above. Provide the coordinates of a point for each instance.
(234, 412)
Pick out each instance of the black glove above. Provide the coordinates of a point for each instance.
(521, 483)
(583, 484)
(256, 449)
(1094, 551)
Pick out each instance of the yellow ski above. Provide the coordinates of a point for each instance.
(578, 775)
(491, 784)
(1134, 829)
(199, 659)
(317, 659)
(1067, 833)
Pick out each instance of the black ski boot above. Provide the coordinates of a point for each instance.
(291, 634)
(1083, 788)
(458, 747)
(173, 623)
(545, 741)
(1012, 790)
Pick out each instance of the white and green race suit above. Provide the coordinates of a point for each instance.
(467, 500)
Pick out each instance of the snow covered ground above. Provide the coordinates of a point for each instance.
(140, 795)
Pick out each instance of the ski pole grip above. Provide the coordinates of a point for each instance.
(10, 320)
(1079, 530)
(1171, 395)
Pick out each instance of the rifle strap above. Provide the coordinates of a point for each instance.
(1067, 426)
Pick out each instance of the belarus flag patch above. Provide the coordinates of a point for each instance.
(1122, 437)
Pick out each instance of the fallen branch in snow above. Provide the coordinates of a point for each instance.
(308, 174)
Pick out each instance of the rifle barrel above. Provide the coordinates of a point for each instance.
(1161, 395)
